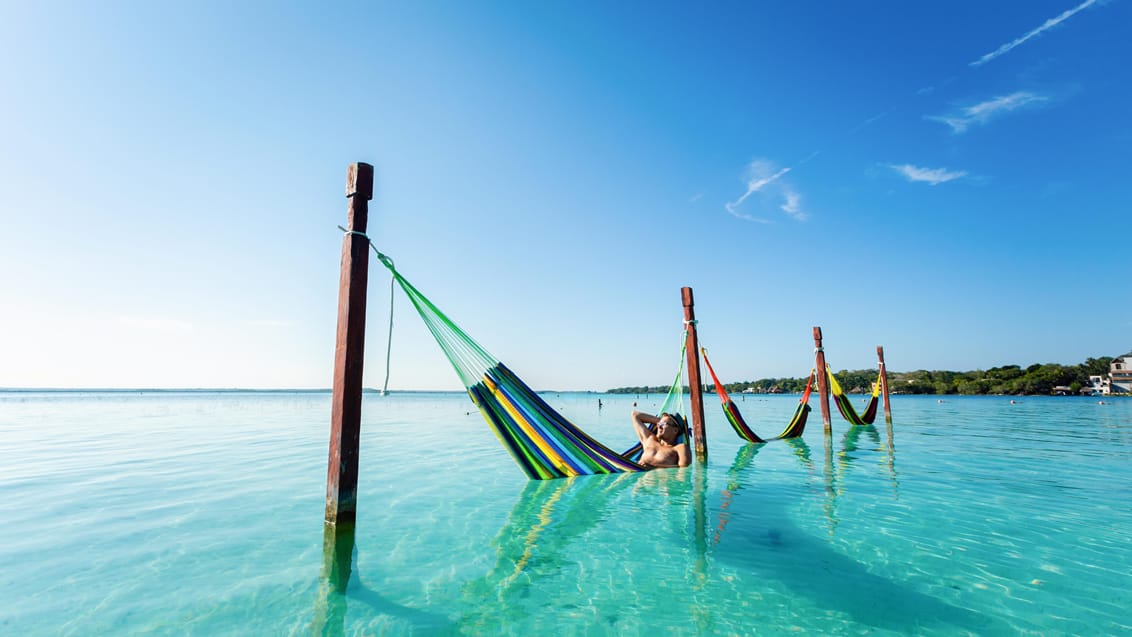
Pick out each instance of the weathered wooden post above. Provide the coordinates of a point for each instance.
(884, 384)
(699, 435)
(346, 398)
(823, 382)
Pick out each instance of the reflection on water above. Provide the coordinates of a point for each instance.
(339, 585)
(831, 481)
(539, 539)
(851, 443)
(553, 524)
(743, 458)
(1015, 512)
(774, 548)
(337, 564)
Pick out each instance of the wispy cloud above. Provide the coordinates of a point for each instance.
(746, 217)
(696, 197)
(870, 121)
(982, 112)
(793, 205)
(764, 178)
(1047, 25)
(933, 176)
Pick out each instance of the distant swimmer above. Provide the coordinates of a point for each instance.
(1100, 402)
(1012, 402)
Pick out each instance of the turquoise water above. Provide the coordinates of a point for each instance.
(201, 513)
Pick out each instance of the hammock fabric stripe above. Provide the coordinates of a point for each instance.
(845, 404)
(794, 429)
(543, 443)
(798, 422)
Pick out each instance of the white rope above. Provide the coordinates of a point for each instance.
(360, 234)
(392, 286)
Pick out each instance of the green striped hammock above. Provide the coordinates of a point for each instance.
(543, 443)
(845, 405)
(793, 429)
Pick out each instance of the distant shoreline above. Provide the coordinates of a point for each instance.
(199, 390)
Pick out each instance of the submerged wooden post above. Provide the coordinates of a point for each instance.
(337, 564)
(884, 384)
(699, 435)
(346, 398)
(823, 382)
(830, 504)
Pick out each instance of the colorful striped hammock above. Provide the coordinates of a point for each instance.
(845, 405)
(794, 429)
(543, 443)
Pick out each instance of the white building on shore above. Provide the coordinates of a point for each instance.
(1098, 386)
(1120, 373)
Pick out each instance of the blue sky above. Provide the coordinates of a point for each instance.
(949, 181)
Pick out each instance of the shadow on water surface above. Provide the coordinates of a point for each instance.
(771, 547)
(338, 587)
(540, 538)
(743, 525)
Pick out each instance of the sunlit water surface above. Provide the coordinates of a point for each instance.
(202, 513)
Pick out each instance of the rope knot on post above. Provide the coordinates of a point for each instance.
(355, 232)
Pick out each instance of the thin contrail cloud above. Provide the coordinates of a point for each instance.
(761, 177)
(959, 122)
(753, 186)
(983, 112)
(1046, 26)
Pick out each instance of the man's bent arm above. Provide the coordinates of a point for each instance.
(640, 420)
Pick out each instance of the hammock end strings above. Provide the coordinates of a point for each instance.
(392, 284)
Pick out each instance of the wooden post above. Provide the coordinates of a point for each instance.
(884, 384)
(699, 435)
(349, 352)
(823, 382)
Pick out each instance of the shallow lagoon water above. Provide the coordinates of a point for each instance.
(200, 513)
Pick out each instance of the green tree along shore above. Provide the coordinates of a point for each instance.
(1010, 379)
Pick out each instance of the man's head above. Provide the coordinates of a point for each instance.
(668, 428)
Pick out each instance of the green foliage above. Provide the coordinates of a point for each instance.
(1009, 379)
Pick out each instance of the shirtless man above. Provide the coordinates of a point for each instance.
(660, 449)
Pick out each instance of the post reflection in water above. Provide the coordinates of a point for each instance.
(767, 544)
(890, 450)
(337, 563)
(736, 476)
(538, 541)
(852, 443)
(340, 581)
(743, 459)
(743, 530)
(830, 504)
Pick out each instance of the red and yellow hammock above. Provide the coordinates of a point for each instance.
(794, 429)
